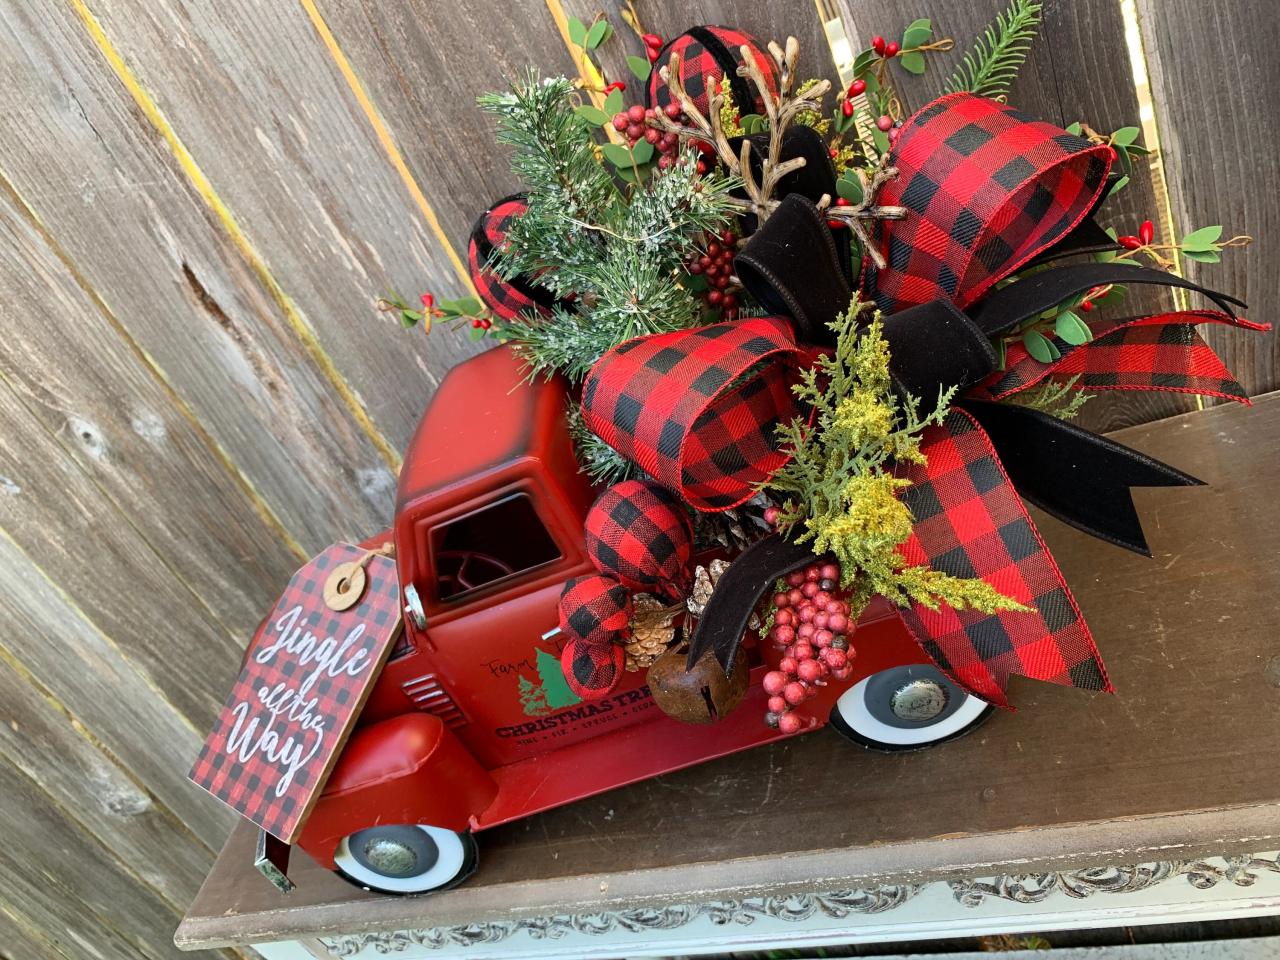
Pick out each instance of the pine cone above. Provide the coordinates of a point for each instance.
(704, 584)
(652, 630)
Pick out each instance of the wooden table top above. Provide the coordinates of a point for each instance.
(1181, 762)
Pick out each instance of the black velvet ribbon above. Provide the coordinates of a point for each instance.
(791, 265)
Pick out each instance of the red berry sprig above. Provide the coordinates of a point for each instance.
(810, 627)
(716, 264)
(636, 123)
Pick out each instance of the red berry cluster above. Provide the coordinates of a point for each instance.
(652, 46)
(810, 627)
(716, 263)
(637, 123)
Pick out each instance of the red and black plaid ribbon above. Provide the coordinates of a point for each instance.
(595, 609)
(969, 522)
(707, 54)
(697, 409)
(1160, 352)
(638, 532)
(987, 188)
(507, 299)
(592, 670)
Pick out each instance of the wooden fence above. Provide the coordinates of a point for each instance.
(199, 203)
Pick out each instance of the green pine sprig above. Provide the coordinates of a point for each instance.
(991, 66)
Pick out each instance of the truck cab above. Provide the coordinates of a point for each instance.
(470, 723)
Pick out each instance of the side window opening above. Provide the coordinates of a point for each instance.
(500, 540)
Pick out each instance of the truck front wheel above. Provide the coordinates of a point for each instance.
(906, 708)
(406, 858)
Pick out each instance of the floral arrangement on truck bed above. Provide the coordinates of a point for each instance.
(835, 348)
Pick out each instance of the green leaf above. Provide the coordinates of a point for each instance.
(850, 188)
(1039, 346)
(918, 32)
(409, 318)
(842, 122)
(912, 61)
(593, 115)
(1203, 256)
(752, 123)
(596, 35)
(1002, 353)
(697, 282)
(464, 306)
(476, 333)
(1126, 162)
(880, 139)
(1125, 136)
(1072, 329)
(1118, 186)
(864, 63)
(640, 67)
(1075, 129)
(614, 103)
(1201, 240)
(577, 31)
(637, 174)
(621, 157)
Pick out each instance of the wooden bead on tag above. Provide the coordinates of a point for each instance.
(344, 587)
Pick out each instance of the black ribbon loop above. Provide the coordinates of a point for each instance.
(935, 346)
(792, 266)
(1079, 477)
(1030, 296)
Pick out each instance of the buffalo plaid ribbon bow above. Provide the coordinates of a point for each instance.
(987, 191)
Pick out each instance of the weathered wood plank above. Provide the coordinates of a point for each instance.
(94, 396)
(82, 541)
(79, 150)
(1077, 69)
(20, 939)
(40, 737)
(424, 63)
(288, 147)
(87, 673)
(1218, 142)
(63, 868)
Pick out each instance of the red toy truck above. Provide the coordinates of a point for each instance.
(470, 723)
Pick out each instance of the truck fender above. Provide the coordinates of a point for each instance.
(406, 769)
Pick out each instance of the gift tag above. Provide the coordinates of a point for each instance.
(304, 680)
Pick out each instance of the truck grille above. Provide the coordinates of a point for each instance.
(429, 696)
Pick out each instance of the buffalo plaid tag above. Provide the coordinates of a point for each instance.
(304, 679)
(986, 189)
(969, 522)
(1159, 352)
(697, 409)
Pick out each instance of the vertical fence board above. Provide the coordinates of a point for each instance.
(1214, 69)
(267, 114)
(47, 852)
(424, 63)
(86, 673)
(39, 738)
(76, 148)
(97, 401)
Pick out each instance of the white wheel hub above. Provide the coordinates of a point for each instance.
(402, 859)
(907, 707)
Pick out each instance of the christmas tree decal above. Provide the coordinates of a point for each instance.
(554, 686)
(532, 698)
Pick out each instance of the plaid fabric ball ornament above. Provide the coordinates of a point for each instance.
(592, 670)
(638, 532)
(595, 609)
(708, 54)
(506, 298)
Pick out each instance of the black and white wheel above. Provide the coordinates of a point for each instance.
(407, 858)
(907, 708)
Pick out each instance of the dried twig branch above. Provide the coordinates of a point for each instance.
(781, 110)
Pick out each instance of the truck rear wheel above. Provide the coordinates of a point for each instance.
(907, 708)
(406, 858)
